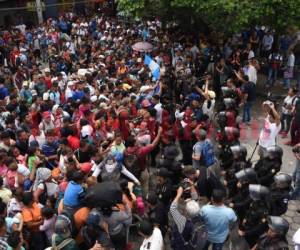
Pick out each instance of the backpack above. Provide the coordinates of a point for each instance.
(112, 176)
(198, 237)
(69, 216)
(43, 197)
(131, 162)
(207, 154)
(60, 246)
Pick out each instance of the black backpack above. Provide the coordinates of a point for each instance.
(198, 237)
(131, 162)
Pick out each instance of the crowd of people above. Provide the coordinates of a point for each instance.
(96, 151)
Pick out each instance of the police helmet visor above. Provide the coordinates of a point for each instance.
(278, 224)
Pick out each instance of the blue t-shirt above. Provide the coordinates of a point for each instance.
(78, 95)
(217, 220)
(73, 194)
(3, 93)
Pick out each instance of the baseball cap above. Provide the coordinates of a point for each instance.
(25, 83)
(145, 227)
(94, 218)
(85, 167)
(46, 114)
(47, 70)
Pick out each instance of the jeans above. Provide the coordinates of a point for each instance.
(286, 82)
(215, 246)
(295, 132)
(246, 114)
(272, 76)
(286, 120)
(295, 194)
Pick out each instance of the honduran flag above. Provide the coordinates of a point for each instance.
(153, 66)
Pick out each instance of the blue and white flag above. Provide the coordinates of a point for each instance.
(153, 66)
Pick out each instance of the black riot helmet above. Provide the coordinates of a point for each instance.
(247, 175)
(239, 151)
(278, 225)
(283, 180)
(274, 152)
(222, 118)
(227, 92)
(171, 152)
(258, 192)
(229, 103)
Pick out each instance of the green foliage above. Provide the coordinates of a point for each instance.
(224, 16)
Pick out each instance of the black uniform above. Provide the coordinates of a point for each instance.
(255, 222)
(280, 194)
(164, 192)
(268, 167)
(279, 227)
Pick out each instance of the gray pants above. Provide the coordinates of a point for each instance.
(145, 182)
(295, 194)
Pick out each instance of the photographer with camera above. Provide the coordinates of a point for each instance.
(188, 231)
(270, 130)
(295, 194)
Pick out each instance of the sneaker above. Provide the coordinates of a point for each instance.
(284, 135)
(281, 132)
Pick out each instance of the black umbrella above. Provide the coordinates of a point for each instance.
(104, 194)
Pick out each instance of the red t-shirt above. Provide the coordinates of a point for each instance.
(141, 153)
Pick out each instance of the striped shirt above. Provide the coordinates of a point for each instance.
(178, 218)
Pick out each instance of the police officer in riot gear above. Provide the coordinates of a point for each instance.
(227, 138)
(267, 167)
(255, 222)
(275, 238)
(169, 162)
(239, 162)
(164, 186)
(280, 194)
(241, 200)
(228, 114)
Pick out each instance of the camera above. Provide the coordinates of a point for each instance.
(186, 185)
(296, 150)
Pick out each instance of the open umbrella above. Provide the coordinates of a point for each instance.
(142, 47)
(104, 194)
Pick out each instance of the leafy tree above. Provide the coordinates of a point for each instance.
(225, 16)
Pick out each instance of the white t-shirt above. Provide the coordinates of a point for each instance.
(252, 74)
(52, 188)
(296, 239)
(41, 139)
(154, 242)
(159, 110)
(289, 101)
(251, 54)
(267, 137)
(23, 170)
(208, 111)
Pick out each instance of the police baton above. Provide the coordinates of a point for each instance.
(249, 160)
